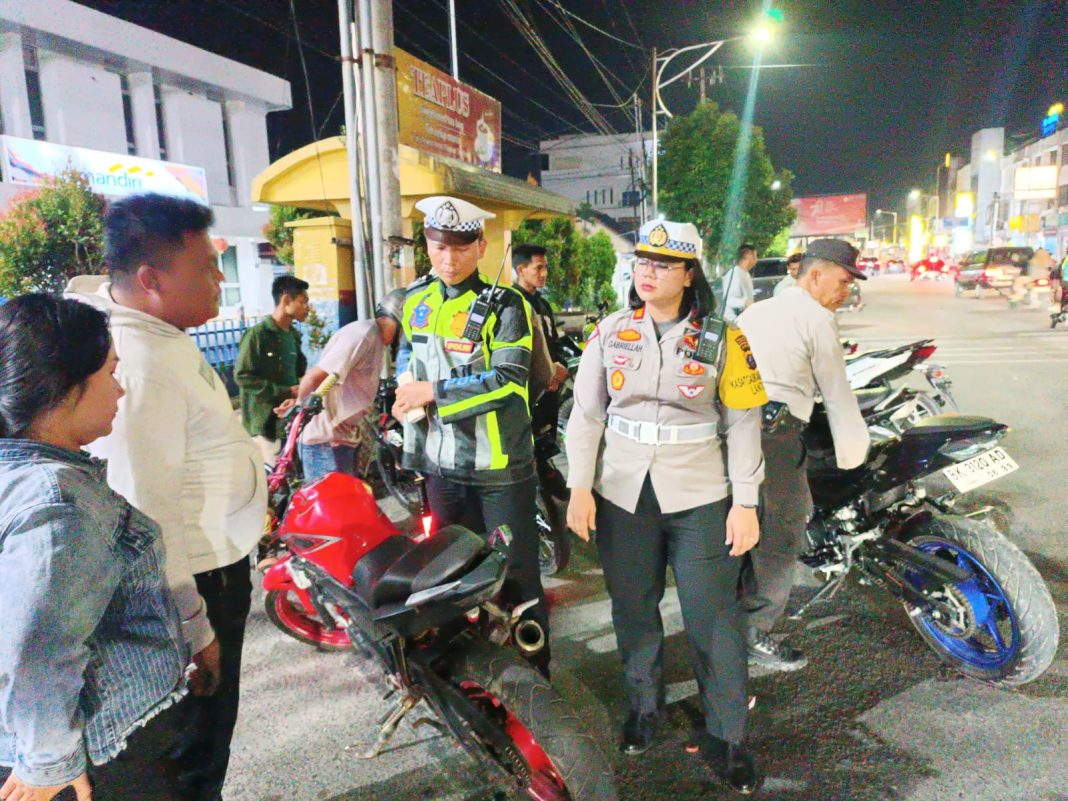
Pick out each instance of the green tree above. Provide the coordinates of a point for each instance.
(580, 267)
(779, 244)
(597, 263)
(50, 235)
(695, 173)
(279, 235)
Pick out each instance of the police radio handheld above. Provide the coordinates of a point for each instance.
(482, 305)
(709, 338)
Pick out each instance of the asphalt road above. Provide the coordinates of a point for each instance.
(872, 717)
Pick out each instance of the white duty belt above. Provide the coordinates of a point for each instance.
(656, 434)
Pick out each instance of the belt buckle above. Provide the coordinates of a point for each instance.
(653, 435)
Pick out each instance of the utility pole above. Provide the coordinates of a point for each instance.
(385, 81)
(655, 111)
(370, 138)
(701, 82)
(640, 136)
(348, 84)
(454, 57)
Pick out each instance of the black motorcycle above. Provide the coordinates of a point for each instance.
(973, 596)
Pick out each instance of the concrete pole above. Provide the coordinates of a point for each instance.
(370, 137)
(640, 134)
(453, 54)
(348, 85)
(385, 79)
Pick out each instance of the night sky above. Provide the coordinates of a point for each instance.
(887, 87)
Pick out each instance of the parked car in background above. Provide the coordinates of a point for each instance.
(991, 268)
(766, 274)
(869, 264)
(931, 268)
(895, 265)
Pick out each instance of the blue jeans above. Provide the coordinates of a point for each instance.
(318, 460)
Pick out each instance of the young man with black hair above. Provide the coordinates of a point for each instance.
(177, 453)
(270, 364)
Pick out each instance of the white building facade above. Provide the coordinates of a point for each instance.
(605, 171)
(1016, 198)
(78, 86)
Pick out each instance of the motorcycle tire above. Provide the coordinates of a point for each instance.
(562, 760)
(401, 484)
(554, 543)
(562, 416)
(1020, 605)
(292, 619)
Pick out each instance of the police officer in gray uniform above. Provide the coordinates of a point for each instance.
(648, 472)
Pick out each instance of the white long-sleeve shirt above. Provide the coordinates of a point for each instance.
(737, 292)
(798, 352)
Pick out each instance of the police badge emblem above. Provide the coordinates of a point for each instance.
(447, 217)
(658, 237)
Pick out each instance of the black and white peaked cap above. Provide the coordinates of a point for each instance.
(452, 214)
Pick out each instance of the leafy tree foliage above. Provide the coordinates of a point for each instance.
(696, 161)
(580, 268)
(50, 235)
(278, 235)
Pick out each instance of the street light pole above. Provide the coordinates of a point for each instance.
(656, 144)
(455, 59)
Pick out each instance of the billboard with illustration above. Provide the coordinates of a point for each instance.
(827, 215)
(444, 117)
(27, 162)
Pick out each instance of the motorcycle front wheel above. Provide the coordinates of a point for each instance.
(290, 616)
(549, 755)
(554, 547)
(1001, 625)
(402, 484)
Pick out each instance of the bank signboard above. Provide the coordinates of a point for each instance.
(443, 117)
(27, 162)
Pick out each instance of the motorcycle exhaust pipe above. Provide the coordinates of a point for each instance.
(529, 637)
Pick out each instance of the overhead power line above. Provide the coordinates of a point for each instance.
(259, 18)
(601, 31)
(598, 66)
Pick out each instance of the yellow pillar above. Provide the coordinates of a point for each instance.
(322, 256)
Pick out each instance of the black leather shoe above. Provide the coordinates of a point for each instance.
(732, 764)
(639, 732)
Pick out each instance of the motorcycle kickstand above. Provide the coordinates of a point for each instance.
(830, 589)
(389, 726)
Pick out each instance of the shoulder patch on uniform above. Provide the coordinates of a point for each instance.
(690, 391)
(622, 361)
(618, 379)
(629, 335)
(639, 313)
(420, 315)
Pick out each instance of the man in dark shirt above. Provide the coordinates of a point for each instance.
(270, 364)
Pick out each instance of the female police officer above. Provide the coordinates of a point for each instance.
(646, 468)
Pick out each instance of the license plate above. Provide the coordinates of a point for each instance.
(980, 470)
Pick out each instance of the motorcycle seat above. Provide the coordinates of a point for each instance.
(397, 567)
(953, 426)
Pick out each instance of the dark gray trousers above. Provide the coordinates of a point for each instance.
(786, 506)
(635, 550)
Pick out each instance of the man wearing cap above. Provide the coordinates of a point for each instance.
(474, 444)
(794, 338)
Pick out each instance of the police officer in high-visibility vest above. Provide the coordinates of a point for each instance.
(474, 444)
(649, 474)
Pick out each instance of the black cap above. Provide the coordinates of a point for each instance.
(839, 252)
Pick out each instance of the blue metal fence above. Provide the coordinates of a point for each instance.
(218, 340)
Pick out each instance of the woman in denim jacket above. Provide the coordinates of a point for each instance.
(90, 653)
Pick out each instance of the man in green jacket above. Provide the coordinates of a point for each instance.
(270, 364)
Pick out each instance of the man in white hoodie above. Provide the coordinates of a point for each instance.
(178, 452)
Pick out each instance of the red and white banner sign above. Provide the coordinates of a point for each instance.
(826, 215)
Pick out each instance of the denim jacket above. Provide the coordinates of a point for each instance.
(90, 645)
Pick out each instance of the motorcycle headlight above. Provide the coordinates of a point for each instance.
(962, 450)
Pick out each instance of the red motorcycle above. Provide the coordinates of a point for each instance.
(424, 610)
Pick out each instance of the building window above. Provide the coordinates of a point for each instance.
(127, 115)
(1062, 197)
(544, 160)
(231, 286)
(157, 94)
(611, 196)
(33, 90)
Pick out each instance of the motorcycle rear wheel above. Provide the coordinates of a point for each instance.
(291, 618)
(1008, 630)
(561, 761)
(402, 484)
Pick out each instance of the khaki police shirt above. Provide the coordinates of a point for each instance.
(795, 341)
(626, 372)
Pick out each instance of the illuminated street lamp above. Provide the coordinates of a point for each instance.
(776, 185)
(760, 36)
(891, 214)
